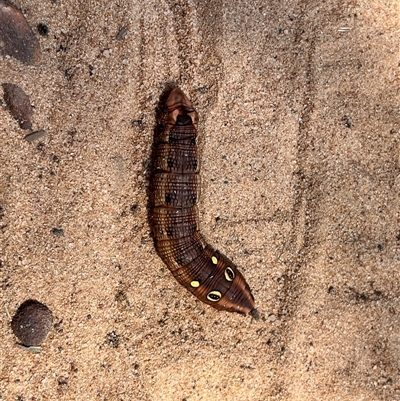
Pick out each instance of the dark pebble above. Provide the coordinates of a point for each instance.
(43, 29)
(32, 323)
(58, 232)
(19, 104)
(16, 37)
(122, 33)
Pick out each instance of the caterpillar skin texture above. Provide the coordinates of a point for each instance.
(174, 218)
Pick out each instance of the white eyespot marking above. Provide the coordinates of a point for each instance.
(214, 296)
(229, 274)
(214, 260)
(194, 284)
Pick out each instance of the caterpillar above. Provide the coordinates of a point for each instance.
(174, 217)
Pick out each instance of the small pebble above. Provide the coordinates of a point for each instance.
(32, 322)
(35, 135)
(43, 29)
(122, 33)
(19, 104)
(58, 232)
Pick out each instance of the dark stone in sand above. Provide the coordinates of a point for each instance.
(32, 322)
(19, 104)
(16, 37)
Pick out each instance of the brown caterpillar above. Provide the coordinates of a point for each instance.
(174, 219)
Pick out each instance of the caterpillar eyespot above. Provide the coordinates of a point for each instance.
(229, 274)
(214, 296)
(174, 193)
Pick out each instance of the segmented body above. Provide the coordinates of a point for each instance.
(175, 190)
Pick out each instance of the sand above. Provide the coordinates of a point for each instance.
(299, 119)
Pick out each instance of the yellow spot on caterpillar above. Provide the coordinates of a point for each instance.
(214, 260)
(229, 274)
(194, 284)
(214, 296)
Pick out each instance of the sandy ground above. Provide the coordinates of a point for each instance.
(300, 123)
